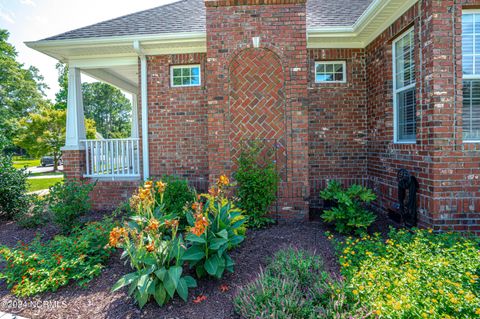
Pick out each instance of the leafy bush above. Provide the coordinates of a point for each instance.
(33, 216)
(257, 185)
(214, 229)
(68, 201)
(177, 195)
(154, 247)
(45, 266)
(415, 274)
(349, 214)
(295, 286)
(13, 188)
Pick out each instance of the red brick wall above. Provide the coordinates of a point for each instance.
(281, 27)
(177, 119)
(337, 122)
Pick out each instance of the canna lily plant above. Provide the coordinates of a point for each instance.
(154, 247)
(215, 227)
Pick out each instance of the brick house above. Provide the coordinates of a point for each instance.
(348, 90)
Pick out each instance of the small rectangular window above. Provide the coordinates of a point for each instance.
(185, 75)
(404, 88)
(471, 75)
(330, 72)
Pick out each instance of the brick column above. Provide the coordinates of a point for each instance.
(231, 27)
(74, 164)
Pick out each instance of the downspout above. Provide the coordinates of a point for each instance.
(144, 97)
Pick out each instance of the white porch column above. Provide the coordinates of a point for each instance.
(134, 116)
(75, 118)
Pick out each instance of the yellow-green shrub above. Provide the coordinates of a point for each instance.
(415, 274)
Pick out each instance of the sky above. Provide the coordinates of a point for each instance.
(31, 20)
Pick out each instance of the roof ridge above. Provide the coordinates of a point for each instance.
(113, 19)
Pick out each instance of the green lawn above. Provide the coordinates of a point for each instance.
(28, 163)
(42, 183)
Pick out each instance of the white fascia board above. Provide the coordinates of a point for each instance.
(103, 62)
(153, 38)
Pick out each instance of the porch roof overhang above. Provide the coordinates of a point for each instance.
(114, 59)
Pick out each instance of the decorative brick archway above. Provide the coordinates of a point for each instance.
(257, 102)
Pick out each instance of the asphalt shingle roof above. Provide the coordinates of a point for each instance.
(189, 16)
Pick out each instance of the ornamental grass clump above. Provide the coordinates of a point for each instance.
(414, 274)
(215, 227)
(154, 248)
(294, 285)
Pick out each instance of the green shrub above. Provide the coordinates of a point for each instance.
(257, 185)
(35, 215)
(295, 286)
(415, 274)
(45, 266)
(13, 188)
(349, 214)
(177, 195)
(68, 201)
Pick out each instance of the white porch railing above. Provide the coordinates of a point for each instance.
(112, 158)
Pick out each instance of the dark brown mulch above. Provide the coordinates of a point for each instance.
(96, 300)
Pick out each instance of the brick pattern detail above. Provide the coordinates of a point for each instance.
(74, 164)
(257, 102)
(226, 3)
(282, 30)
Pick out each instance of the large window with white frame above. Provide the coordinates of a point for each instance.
(330, 72)
(404, 88)
(185, 75)
(471, 75)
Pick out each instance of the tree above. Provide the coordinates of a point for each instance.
(21, 89)
(43, 133)
(103, 103)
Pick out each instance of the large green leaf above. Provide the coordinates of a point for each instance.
(216, 243)
(190, 281)
(160, 294)
(182, 289)
(161, 273)
(124, 281)
(141, 299)
(195, 239)
(212, 264)
(175, 273)
(236, 240)
(194, 253)
(169, 284)
(142, 284)
(223, 234)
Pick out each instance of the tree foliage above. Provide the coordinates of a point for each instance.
(43, 133)
(21, 88)
(103, 103)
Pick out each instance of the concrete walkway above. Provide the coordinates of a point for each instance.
(45, 176)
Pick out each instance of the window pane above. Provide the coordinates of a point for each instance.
(467, 65)
(186, 81)
(467, 24)
(329, 72)
(195, 70)
(186, 75)
(471, 110)
(177, 81)
(186, 72)
(195, 80)
(177, 72)
(404, 61)
(467, 44)
(406, 114)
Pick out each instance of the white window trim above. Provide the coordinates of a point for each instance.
(343, 63)
(470, 76)
(396, 91)
(179, 66)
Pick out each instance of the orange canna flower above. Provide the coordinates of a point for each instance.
(153, 224)
(150, 247)
(148, 185)
(213, 191)
(117, 235)
(201, 223)
(199, 299)
(161, 186)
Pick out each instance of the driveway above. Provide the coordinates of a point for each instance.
(41, 169)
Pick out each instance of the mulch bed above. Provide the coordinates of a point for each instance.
(96, 300)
